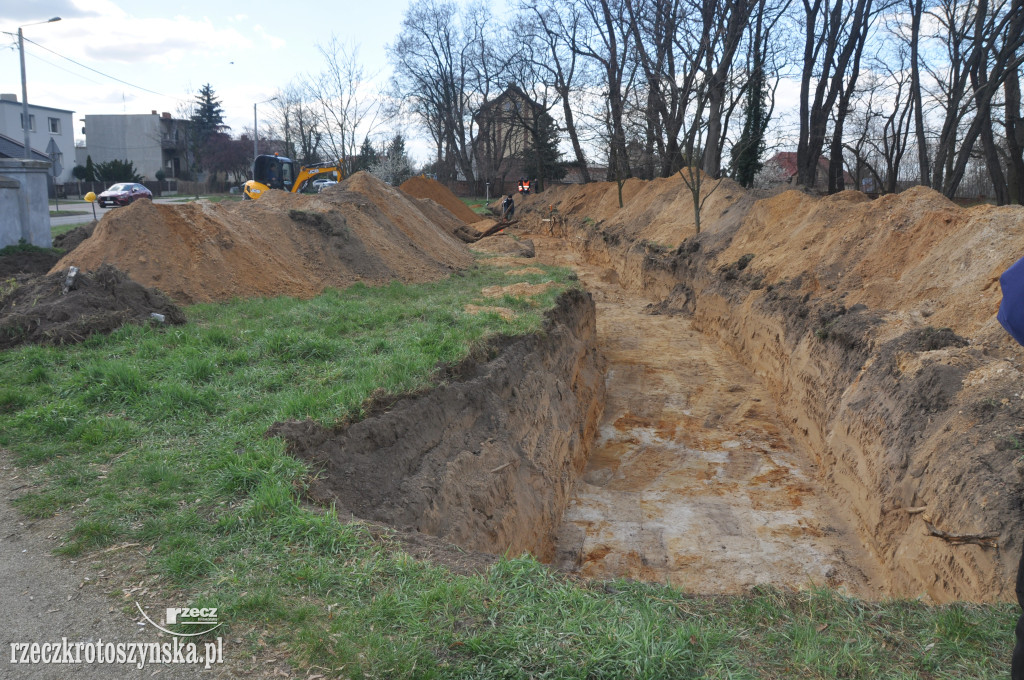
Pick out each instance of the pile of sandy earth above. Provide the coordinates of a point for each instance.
(915, 253)
(424, 187)
(873, 324)
(283, 244)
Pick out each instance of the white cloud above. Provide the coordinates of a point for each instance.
(31, 11)
(273, 42)
(127, 39)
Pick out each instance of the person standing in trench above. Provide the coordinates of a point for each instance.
(1011, 316)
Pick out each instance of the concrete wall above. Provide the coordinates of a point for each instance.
(39, 139)
(24, 206)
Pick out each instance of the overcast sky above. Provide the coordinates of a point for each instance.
(244, 50)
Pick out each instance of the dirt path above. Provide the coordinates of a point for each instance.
(48, 599)
(694, 481)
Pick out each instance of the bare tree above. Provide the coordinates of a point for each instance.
(1014, 138)
(605, 39)
(696, 181)
(983, 40)
(555, 26)
(759, 79)
(339, 90)
(834, 35)
(916, 10)
(434, 71)
(296, 121)
(724, 23)
(655, 27)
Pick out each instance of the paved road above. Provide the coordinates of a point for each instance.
(82, 206)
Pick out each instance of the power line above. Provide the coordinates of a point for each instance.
(61, 68)
(105, 75)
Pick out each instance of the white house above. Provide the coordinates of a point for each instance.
(151, 142)
(45, 124)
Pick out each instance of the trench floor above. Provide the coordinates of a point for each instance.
(694, 481)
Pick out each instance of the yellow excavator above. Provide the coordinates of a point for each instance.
(278, 172)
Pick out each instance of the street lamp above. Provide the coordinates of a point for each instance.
(24, 86)
(255, 130)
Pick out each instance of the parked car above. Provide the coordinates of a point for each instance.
(322, 184)
(123, 194)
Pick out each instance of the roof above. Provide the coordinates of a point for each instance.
(511, 91)
(787, 161)
(12, 148)
(35, 106)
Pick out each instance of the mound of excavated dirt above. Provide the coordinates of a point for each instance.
(26, 262)
(659, 211)
(424, 187)
(503, 244)
(443, 218)
(872, 324)
(282, 244)
(35, 309)
(70, 240)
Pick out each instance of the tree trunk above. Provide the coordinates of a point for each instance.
(995, 170)
(574, 137)
(1014, 138)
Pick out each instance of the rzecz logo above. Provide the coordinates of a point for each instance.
(200, 619)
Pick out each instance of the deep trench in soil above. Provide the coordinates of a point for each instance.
(693, 480)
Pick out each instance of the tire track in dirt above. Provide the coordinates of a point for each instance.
(694, 481)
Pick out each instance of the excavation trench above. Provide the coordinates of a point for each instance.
(488, 458)
(693, 479)
(792, 334)
(687, 478)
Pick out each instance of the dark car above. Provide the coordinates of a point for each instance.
(123, 194)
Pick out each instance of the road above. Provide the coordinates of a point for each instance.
(82, 206)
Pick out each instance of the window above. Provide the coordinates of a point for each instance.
(31, 122)
(54, 125)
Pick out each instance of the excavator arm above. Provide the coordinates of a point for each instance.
(309, 172)
(275, 172)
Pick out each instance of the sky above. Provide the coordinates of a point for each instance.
(164, 52)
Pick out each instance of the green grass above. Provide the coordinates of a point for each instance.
(23, 247)
(155, 435)
(67, 213)
(477, 204)
(57, 230)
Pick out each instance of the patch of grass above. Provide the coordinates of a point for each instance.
(40, 505)
(89, 534)
(155, 435)
(57, 230)
(23, 246)
(12, 399)
(67, 213)
(477, 204)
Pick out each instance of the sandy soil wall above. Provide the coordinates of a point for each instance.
(871, 323)
(487, 459)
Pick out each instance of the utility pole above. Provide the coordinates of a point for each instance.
(24, 84)
(255, 129)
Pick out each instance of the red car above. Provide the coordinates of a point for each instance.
(123, 194)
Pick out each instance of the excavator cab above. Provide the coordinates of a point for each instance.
(270, 172)
(278, 172)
